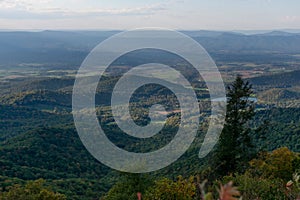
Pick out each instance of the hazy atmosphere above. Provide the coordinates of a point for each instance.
(130, 14)
(149, 99)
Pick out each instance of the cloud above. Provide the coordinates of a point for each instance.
(46, 8)
(144, 10)
(22, 4)
(289, 18)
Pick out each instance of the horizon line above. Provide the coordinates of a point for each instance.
(240, 31)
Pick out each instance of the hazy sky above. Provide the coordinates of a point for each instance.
(128, 14)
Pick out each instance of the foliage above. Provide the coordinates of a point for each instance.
(55, 154)
(128, 187)
(167, 189)
(33, 190)
(38, 140)
(277, 164)
(277, 127)
(258, 188)
(16, 120)
(268, 175)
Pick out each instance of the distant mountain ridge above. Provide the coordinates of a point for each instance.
(69, 48)
(279, 33)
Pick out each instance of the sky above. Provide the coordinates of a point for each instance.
(131, 14)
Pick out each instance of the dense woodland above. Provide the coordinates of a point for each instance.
(66, 170)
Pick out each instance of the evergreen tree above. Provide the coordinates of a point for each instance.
(234, 147)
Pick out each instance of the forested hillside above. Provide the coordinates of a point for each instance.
(257, 156)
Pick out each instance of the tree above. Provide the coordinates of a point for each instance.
(128, 187)
(32, 190)
(167, 189)
(277, 164)
(234, 147)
